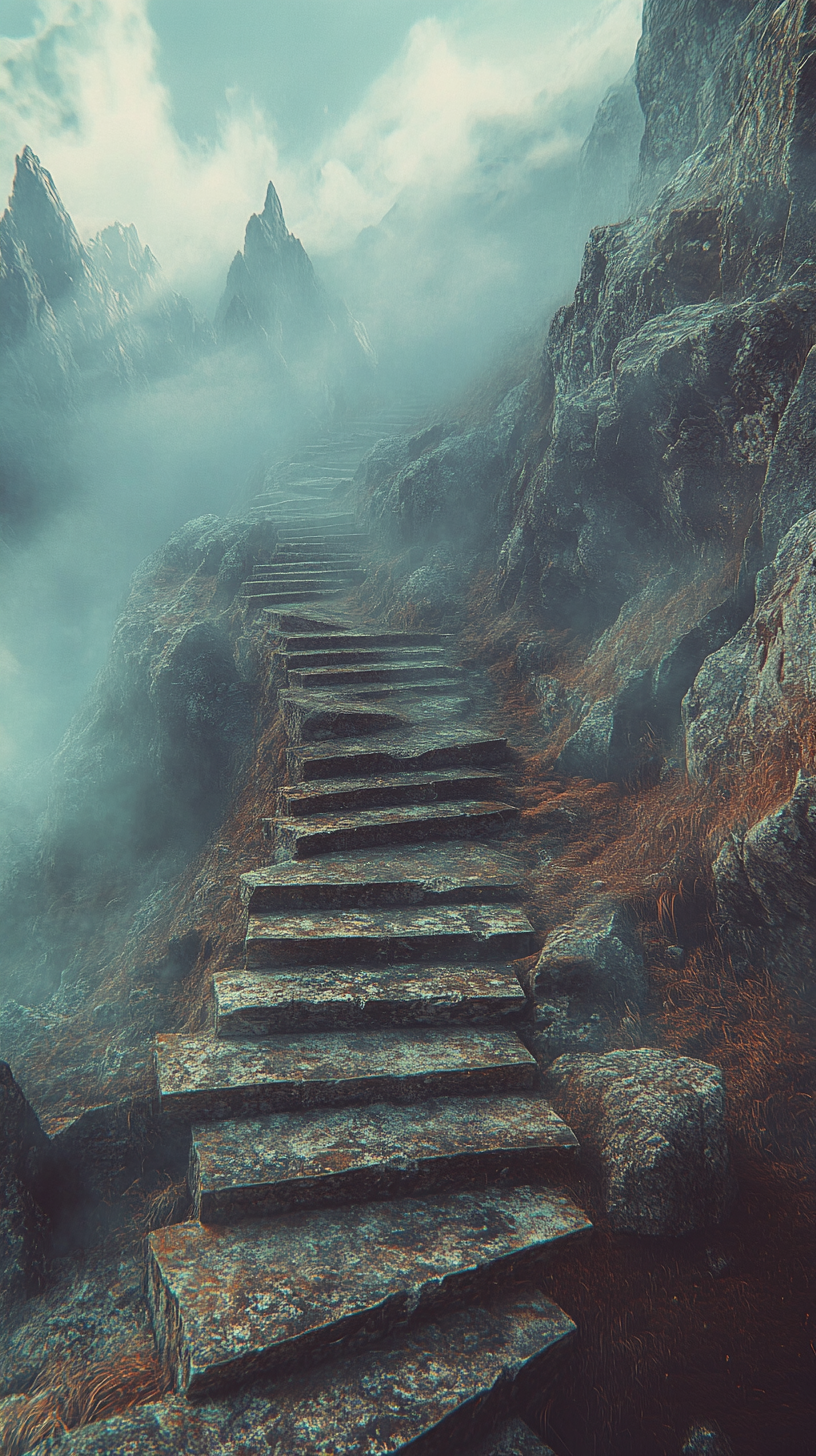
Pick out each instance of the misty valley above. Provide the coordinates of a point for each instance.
(407, 771)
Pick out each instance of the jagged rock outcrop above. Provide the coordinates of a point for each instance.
(760, 686)
(689, 328)
(765, 883)
(680, 80)
(423, 491)
(608, 164)
(149, 759)
(24, 1169)
(273, 296)
(656, 1122)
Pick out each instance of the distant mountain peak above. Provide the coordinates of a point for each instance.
(272, 294)
(118, 253)
(273, 212)
(42, 225)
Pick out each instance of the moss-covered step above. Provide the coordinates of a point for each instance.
(200, 1078)
(329, 1156)
(324, 998)
(421, 874)
(232, 1303)
(449, 931)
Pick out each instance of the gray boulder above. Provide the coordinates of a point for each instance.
(597, 956)
(588, 970)
(656, 1122)
(609, 742)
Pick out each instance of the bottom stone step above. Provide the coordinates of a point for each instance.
(232, 1304)
(435, 1389)
(352, 1154)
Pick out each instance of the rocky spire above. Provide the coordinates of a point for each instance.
(40, 223)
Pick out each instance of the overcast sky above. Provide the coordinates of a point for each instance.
(174, 114)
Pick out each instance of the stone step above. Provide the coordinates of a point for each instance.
(308, 642)
(325, 998)
(351, 1154)
(414, 693)
(312, 717)
(302, 594)
(309, 529)
(202, 1078)
(422, 671)
(403, 753)
(349, 656)
(426, 1390)
(283, 623)
(300, 581)
(311, 561)
(449, 931)
(421, 875)
(229, 1304)
(403, 824)
(379, 790)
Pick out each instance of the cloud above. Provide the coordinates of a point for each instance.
(85, 93)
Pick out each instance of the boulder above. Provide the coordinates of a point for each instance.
(597, 956)
(765, 882)
(24, 1167)
(656, 1122)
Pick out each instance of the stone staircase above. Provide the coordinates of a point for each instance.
(373, 1170)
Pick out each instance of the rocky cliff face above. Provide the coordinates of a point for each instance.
(672, 412)
(662, 455)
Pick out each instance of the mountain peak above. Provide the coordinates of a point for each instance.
(42, 225)
(272, 211)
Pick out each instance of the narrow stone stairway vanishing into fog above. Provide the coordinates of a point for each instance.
(374, 1171)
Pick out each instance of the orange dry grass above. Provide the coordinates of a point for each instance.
(64, 1398)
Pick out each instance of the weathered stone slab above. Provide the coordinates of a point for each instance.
(348, 656)
(352, 1154)
(270, 595)
(324, 998)
(382, 790)
(400, 824)
(284, 622)
(481, 931)
(451, 748)
(427, 670)
(331, 579)
(424, 874)
(311, 716)
(430, 1389)
(321, 641)
(203, 1077)
(230, 1304)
